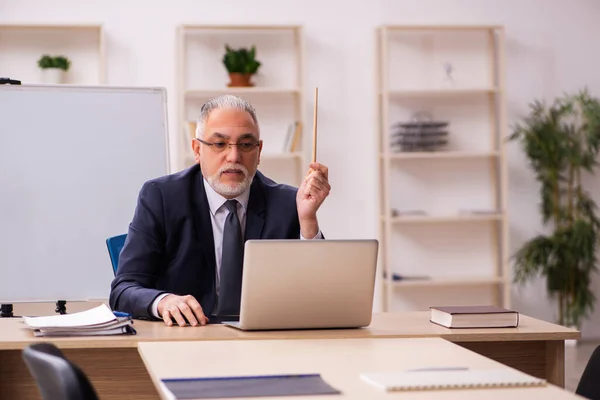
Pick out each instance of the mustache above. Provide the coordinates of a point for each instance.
(233, 167)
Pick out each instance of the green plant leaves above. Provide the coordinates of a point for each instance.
(241, 60)
(60, 62)
(561, 140)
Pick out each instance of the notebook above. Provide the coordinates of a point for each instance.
(484, 316)
(460, 378)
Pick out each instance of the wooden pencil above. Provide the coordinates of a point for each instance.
(314, 144)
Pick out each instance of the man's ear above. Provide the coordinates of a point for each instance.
(196, 150)
(260, 146)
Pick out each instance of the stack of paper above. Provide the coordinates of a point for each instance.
(94, 322)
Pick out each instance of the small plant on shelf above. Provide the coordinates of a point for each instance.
(241, 64)
(562, 142)
(53, 68)
(60, 62)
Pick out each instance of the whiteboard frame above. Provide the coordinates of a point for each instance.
(161, 89)
(100, 88)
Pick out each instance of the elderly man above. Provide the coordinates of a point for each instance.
(182, 260)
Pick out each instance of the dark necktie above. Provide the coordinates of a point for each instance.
(231, 263)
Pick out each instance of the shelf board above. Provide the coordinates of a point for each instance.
(439, 92)
(440, 154)
(441, 282)
(411, 219)
(442, 27)
(281, 156)
(240, 91)
(50, 27)
(190, 27)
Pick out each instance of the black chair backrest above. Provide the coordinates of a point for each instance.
(56, 377)
(589, 383)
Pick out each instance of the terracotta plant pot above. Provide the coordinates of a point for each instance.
(237, 79)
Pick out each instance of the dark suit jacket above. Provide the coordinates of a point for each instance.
(170, 247)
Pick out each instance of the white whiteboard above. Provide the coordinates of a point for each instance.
(72, 162)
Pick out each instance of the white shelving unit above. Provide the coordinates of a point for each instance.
(443, 213)
(278, 94)
(21, 45)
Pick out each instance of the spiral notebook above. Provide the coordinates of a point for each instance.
(459, 378)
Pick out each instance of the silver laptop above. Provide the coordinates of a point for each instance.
(307, 284)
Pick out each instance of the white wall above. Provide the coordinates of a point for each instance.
(550, 49)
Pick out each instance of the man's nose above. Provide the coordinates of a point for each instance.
(233, 154)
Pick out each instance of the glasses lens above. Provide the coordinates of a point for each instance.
(219, 146)
(247, 146)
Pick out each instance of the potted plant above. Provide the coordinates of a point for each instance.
(561, 142)
(53, 68)
(241, 64)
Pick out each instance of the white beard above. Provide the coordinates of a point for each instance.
(233, 189)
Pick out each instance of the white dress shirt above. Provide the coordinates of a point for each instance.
(218, 214)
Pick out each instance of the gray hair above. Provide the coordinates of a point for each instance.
(225, 101)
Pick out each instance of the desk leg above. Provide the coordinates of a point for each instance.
(542, 359)
(115, 373)
(555, 362)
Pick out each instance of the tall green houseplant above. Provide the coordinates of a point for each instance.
(561, 142)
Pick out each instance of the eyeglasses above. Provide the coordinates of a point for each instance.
(245, 146)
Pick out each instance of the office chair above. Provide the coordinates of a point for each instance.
(114, 245)
(589, 383)
(56, 377)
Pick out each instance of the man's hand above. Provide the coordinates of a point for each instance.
(311, 194)
(179, 307)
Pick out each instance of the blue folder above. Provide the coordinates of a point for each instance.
(249, 386)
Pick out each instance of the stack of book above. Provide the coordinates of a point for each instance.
(97, 321)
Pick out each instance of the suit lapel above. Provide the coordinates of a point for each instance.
(255, 214)
(202, 222)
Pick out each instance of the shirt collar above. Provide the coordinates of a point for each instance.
(216, 201)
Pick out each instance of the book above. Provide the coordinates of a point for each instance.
(96, 321)
(247, 386)
(451, 378)
(296, 137)
(481, 316)
(289, 136)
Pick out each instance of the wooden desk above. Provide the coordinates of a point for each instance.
(116, 370)
(339, 361)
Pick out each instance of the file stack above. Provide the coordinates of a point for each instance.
(97, 321)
